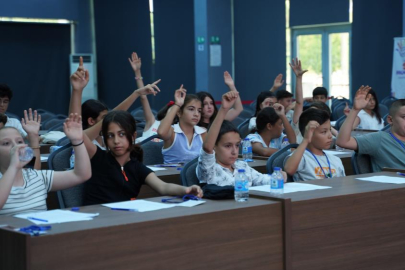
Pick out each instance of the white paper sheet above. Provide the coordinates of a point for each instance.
(384, 179)
(156, 168)
(291, 187)
(139, 205)
(56, 216)
(190, 203)
(43, 159)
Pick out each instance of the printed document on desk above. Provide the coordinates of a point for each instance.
(139, 205)
(56, 216)
(384, 179)
(291, 187)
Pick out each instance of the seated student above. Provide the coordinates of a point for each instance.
(271, 122)
(210, 110)
(369, 117)
(5, 97)
(320, 94)
(218, 161)
(182, 141)
(151, 123)
(386, 149)
(93, 110)
(25, 190)
(322, 106)
(264, 99)
(285, 98)
(118, 173)
(309, 161)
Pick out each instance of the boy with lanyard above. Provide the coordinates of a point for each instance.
(386, 149)
(309, 161)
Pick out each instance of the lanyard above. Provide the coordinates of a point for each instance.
(395, 138)
(329, 175)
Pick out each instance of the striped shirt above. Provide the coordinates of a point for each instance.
(31, 196)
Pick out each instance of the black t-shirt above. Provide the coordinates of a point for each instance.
(107, 183)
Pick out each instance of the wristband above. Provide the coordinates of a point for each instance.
(177, 105)
(138, 78)
(77, 144)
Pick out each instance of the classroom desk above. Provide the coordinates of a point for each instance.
(354, 225)
(215, 235)
(172, 175)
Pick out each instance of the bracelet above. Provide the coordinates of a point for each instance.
(177, 105)
(77, 144)
(138, 78)
(35, 147)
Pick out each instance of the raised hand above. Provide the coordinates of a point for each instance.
(194, 190)
(296, 67)
(362, 98)
(279, 109)
(346, 110)
(73, 128)
(278, 81)
(229, 81)
(179, 96)
(309, 130)
(135, 62)
(149, 89)
(228, 99)
(31, 123)
(80, 78)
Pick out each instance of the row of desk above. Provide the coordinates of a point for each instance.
(353, 225)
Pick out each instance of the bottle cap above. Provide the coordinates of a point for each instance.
(246, 139)
(276, 168)
(241, 170)
(285, 140)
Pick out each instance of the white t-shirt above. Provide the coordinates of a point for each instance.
(150, 132)
(369, 122)
(30, 197)
(297, 132)
(290, 115)
(252, 123)
(309, 169)
(274, 143)
(15, 123)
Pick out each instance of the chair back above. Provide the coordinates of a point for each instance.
(387, 128)
(361, 163)
(59, 160)
(244, 128)
(338, 111)
(188, 173)
(339, 122)
(61, 142)
(237, 121)
(277, 159)
(152, 152)
(387, 101)
(383, 109)
(149, 139)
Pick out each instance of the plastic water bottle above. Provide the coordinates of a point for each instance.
(247, 150)
(26, 154)
(277, 182)
(241, 186)
(72, 159)
(284, 143)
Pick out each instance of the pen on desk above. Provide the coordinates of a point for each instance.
(38, 219)
(168, 166)
(401, 174)
(125, 209)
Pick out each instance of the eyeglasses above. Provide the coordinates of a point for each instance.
(179, 199)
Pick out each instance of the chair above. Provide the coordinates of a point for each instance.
(154, 153)
(244, 128)
(13, 115)
(46, 116)
(246, 114)
(387, 128)
(338, 111)
(138, 115)
(387, 101)
(383, 109)
(237, 121)
(57, 127)
(385, 119)
(53, 121)
(339, 122)
(277, 159)
(336, 102)
(361, 163)
(59, 160)
(253, 106)
(188, 173)
(61, 142)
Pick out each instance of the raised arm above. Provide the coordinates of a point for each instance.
(278, 82)
(361, 100)
(293, 162)
(237, 107)
(299, 99)
(82, 171)
(31, 124)
(164, 188)
(79, 81)
(287, 127)
(165, 130)
(228, 100)
(94, 131)
(136, 63)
